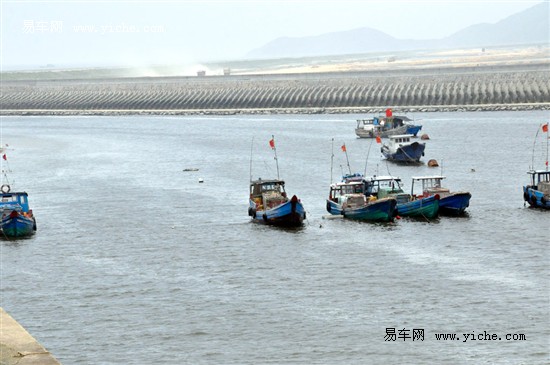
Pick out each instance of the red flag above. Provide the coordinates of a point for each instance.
(388, 112)
(378, 139)
(272, 143)
(4, 157)
(343, 148)
(545, 128)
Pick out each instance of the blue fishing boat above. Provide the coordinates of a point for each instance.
(269, 204)
(349, 200)
(400, 148)
(450, 203)
(537, 193)
(385, 126)
(408, 205)
(17, 218)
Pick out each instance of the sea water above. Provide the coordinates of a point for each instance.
(136, 262)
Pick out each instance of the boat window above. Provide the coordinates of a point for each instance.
(9, 198)
(23, 200)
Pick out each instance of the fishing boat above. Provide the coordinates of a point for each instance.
(537, 193)
(17, 219)
(408, 205)
(269, 202)
(450, 203)
(400, 148)
(385, 126)
(349, 200)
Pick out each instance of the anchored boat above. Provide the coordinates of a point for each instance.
(349, 200)
(451, 203)
(385, 126)
(400, 148)
(17, 218)
(269, 203)
(408, 205)
(537, 193)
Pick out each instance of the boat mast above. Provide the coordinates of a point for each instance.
(347, 158)
(331, 160)
(251, 146)
(547, 139)
(532, 167)
(275, 151)
(367, 159)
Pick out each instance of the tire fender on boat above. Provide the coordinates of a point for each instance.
(328, 207)
(5, 188)
(525, 196)
(533, 199)
(543, 200)
(251, 212)
(265, 217)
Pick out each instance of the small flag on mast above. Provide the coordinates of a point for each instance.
(272, 143)
(4, 157)
(344, 147)
(378, 139)
(545, 128)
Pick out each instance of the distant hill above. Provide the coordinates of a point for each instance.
(527, 27)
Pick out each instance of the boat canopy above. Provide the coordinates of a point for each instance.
(259, 187)
(539, 176)
(385, 178)
(428, 177)
(13, 200)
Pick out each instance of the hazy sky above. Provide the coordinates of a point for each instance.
(84, 33)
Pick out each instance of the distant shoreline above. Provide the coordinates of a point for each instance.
(268, 111)
(462, 80)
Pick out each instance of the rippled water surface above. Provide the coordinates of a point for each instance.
(135, 262)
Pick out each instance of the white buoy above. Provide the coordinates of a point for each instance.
(201, 180)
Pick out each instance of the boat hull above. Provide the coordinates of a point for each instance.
(289, 214)
(535, 198)
(334, 208)
(18, 226)
(383, 210)
(409, 153)
(455, 203)
(425, 207)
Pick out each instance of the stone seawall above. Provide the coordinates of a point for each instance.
(475, 88)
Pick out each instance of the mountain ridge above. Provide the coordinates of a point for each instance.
(529, 26)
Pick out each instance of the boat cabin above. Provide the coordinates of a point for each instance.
(540, 179)
(14, 201)
(431, 185)
(268, 193)
(383, 122)
(339, 191)
(400, 139)
(386, 186)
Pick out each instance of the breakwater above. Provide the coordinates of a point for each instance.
(464, 88)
